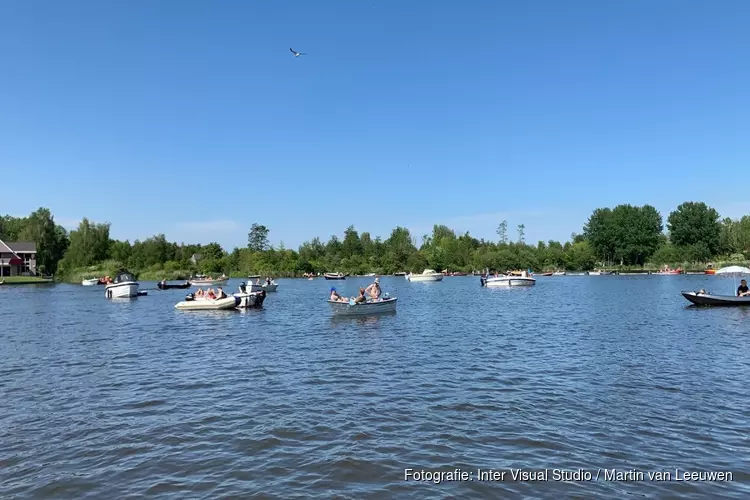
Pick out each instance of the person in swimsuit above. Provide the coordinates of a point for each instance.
(374, 290)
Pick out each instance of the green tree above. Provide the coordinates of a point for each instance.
(257, 238)
(51, 241)
(695, 225)
(502, 231)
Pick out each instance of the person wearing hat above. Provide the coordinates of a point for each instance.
(335, 296)
(374, 290)
(742, 290)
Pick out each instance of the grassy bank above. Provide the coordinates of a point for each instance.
(25, 280)
(110, 267)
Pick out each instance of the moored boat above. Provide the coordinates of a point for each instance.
(703, 298)
(250, 298)
(193, 304)
(334, 276)
(90, 282)
(208, 281)
(547, 274)
(508, 280)
(426, 275)
(163, 285)
(123, 286)
(400, 273)
(386, 305)
(559, 273)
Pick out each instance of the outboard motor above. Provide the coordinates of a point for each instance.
(481, 281)
(190, 297)
(243, 288)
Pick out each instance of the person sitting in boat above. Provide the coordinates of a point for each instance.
(335, 296)
(374, 290)
(220, 294)
(360, 299)
(210, 294)
(742, 290)
(268, 280)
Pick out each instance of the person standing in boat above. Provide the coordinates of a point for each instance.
(374, 290)
(742, 290)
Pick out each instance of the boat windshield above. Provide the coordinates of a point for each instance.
(123, 277)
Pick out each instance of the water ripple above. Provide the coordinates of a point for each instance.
(110, 399)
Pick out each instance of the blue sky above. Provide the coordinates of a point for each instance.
(193, 119)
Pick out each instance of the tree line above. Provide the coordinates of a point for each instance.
(623, 236)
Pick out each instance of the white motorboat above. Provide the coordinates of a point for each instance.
(386, 305)
(427, 275)
(90, 282)
(525, 279)
(206, 281)
(249, 297)
(123, 286)
(595, 273)
(368, 275)
(334, 276)
(558, 273)
(201, 304)
(258, 287)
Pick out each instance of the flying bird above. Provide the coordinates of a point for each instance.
(296, 54)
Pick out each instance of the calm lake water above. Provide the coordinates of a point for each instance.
(112, 399)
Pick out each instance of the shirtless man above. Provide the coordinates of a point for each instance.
(374, 290)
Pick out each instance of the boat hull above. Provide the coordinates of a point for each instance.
(121, 290)
(422, 277)
(208, 304)
(559, 273)
(363, 309)
(271, 288)
(706, 299)
(91, 282)
(507, 281)
(250, 300)
(334, 277)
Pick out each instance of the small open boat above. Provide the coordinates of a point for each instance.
(208, 304)
(558, 273)
(334, 276)
(364, 308)
(167, 286)
(90, 282)
(507, 281)
(204, 281)
(701, 298)
(547, 274)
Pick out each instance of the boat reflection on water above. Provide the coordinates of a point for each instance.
(369, 319)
